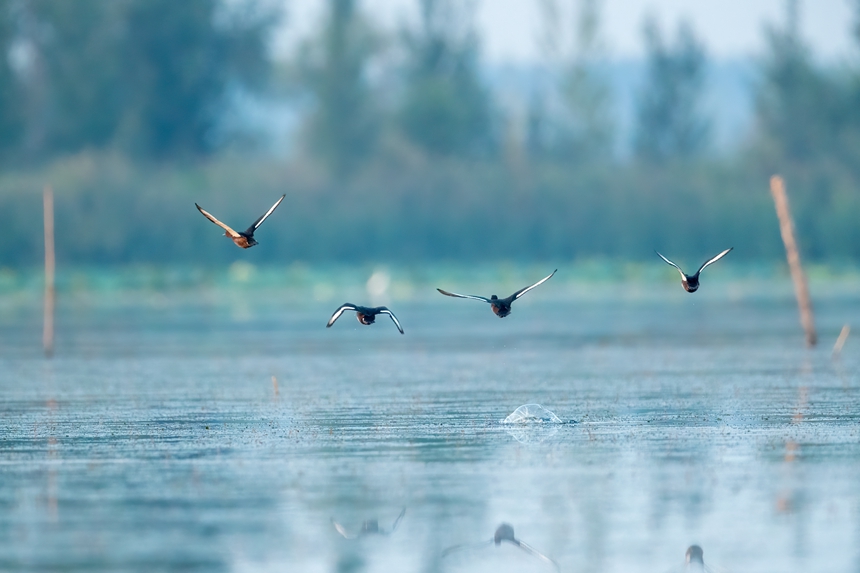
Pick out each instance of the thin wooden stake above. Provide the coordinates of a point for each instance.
(48, 332)
(840, 342)
(275, 386)
(786, 229)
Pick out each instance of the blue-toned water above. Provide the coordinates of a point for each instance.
(157, 439)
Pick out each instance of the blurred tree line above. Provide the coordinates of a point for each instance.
(148, 77)
(404, 152)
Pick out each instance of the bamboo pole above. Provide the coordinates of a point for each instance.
(786, 229)
(48, 331)
(840, 342)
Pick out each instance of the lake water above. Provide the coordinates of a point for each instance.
(156, 439)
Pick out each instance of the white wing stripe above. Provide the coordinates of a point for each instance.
(339, 312)
(471, 296)
(715, 259)
(269, 212)
(540, 282)
(671, 263)
(400, 328)
(531, 550)
(340, 529)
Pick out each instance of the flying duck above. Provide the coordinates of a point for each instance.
(501, 306)
(364, 314)
(505, 532)
(691, 282)
(369, 527)
(244, 239)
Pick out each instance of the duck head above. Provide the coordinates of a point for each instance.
(504, 532)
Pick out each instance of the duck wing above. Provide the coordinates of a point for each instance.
(259, 221)
(340, 529)
(472, 296)
(343, 308)
(209, 216)
(383, 310)
(714, 260)
(523, 291)
(402, 513)
(535, 553)
(671, 263)
(462, 546)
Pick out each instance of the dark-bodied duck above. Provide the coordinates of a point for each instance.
(501, 306)
(694, 555)
(369, 527)
(244, 239)
(691, 282)
(364, 314)
(694, 560)
(505, 532)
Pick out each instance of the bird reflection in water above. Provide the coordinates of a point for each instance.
(369, 527)
(694, 560)
(505, 532)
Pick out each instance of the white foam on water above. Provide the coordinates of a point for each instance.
(532, 414)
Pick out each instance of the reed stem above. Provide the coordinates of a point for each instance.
(786, 229)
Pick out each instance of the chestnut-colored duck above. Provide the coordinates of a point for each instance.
(365, 315)
(691, 282)
(500, 306)
(244, 239)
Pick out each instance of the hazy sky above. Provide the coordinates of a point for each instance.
(729, 28)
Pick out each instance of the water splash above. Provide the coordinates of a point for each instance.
(532, 414)
(532, 424)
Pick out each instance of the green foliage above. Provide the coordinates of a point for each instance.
(135, 80)
(808, 115)
(590, 131)
(584, 129)
(179, 60)
(809, 130)
(147, 76)
(856, 28)
(344, 125)
(112, 211)
(669, 121)
(11, 110)
(446, 110)
(82, 97)
(795, 100)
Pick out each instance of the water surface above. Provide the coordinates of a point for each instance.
(155, 439)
